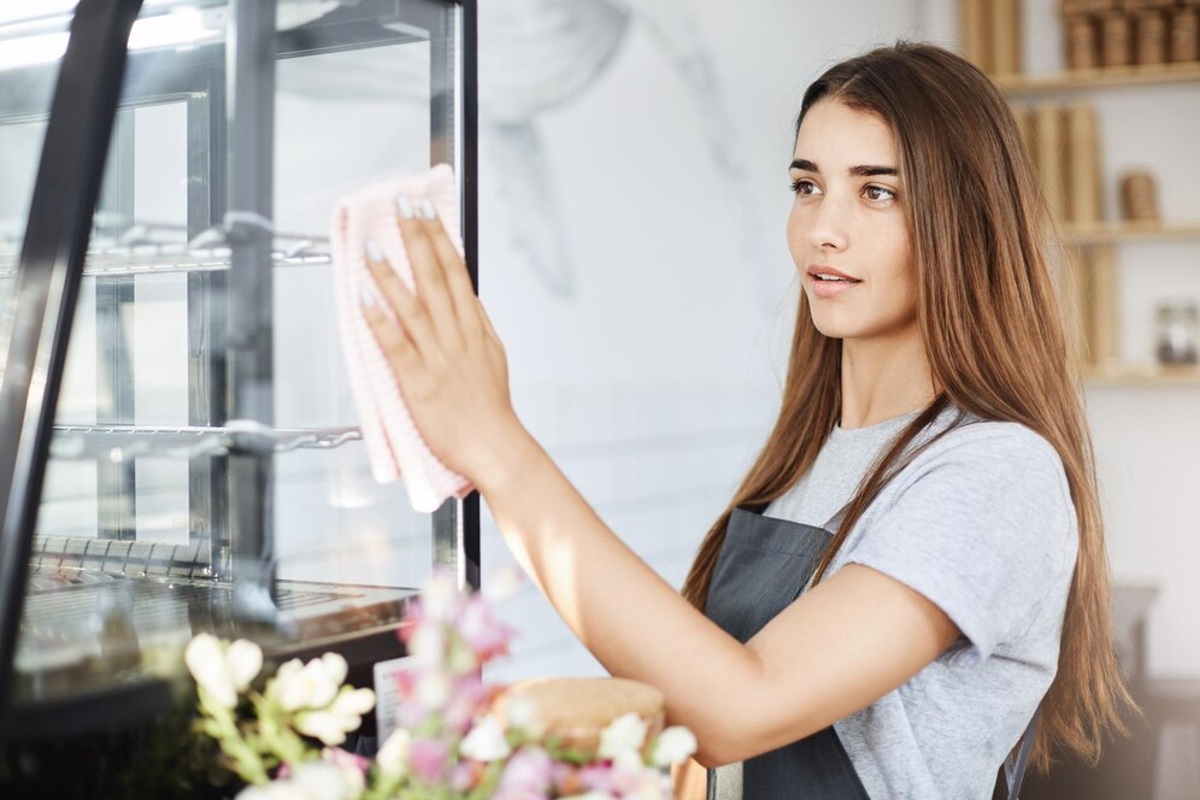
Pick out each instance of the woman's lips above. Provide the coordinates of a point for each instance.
(825, 281)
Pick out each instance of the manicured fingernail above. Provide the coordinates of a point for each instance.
(373, 251)
(367, 298)
(404, 206)
(427, 209)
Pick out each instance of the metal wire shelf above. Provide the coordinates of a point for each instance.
(117, 443)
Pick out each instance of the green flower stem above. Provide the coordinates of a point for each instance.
(277, 732)
(222, 726)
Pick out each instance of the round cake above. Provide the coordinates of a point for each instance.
(576, 710)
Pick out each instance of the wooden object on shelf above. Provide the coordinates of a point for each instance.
(576, 710)
(1083, 170)
(1152, 36)
(974, 17)
(1006, 36)
(1185, 35)
(1103, 342)
(1074, 303)
(1139, 197)
(1051, 157)
(1023, 116)
(1083, 42)
(1116, 39)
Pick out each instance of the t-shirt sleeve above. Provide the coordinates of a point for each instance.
(982, 525)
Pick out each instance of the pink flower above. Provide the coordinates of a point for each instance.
(468, 696)
(465, 775)
(344, 759)
(527, 775)
(597, 777)
(428, 757)
(486, 637)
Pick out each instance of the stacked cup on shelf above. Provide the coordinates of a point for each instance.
(1098, 34)
(1105, 34)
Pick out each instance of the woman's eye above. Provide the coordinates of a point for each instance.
(804, 187)
(879, 194)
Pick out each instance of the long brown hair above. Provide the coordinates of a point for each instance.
(992, 332)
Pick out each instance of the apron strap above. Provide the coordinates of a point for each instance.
(1014, 768)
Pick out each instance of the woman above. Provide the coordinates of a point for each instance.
(915, 563)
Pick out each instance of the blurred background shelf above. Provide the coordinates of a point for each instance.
(1111, 77)
(1118, 232)
(1142, 375)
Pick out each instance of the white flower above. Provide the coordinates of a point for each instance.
(592, 795)
(623, 739)
(311, 780)
(674, 745)
(485, 742)
(313, 685)
(318, 780)
(343, 715)
(275, 790)
(245, 660)
(222, 671)
(428, 644)
(433, 689)
(439, 597)
(521, 714)
(392, 757)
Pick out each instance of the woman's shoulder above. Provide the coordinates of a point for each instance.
(961, 435)
(999, 459)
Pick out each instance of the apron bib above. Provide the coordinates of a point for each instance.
(763, 566)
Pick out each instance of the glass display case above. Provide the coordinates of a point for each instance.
(179, 449)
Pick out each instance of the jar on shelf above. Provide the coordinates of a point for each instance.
(1185, 34)
(1152, 36)
(1139, 196)
(1083, 42)
(1178, 331)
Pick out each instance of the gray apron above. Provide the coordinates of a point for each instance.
(763, 566)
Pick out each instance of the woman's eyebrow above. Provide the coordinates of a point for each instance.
(861, 171)
(867, 171)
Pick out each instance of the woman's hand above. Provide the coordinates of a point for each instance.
(447, 359)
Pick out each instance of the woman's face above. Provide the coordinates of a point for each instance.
(847, 230)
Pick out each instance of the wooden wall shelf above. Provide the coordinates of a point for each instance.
(1141, 375)
(1080, 80)
(1116, 232)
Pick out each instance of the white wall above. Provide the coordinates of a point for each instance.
(654, 385)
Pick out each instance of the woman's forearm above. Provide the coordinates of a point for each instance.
(632, 620)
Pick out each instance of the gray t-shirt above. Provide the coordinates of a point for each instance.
(982, 524)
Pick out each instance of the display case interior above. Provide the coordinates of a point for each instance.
(203, 468)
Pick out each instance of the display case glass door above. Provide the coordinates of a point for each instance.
(205, 468)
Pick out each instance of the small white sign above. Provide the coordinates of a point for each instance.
(387, 697)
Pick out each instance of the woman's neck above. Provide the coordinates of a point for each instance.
(882, 379)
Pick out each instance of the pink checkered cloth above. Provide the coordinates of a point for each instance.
(394, 447)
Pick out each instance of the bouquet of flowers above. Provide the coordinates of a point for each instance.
(281, 735)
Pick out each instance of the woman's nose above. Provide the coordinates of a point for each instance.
(829, 224)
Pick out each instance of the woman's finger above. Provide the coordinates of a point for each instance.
(401, 353)
(427, 272)
(409, 310)
(454, 269)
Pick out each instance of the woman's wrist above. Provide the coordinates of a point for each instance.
(509, 456)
